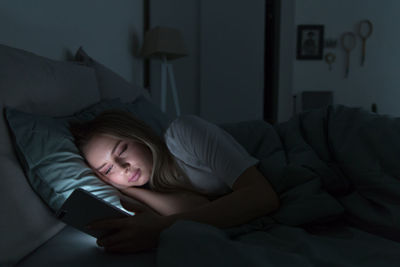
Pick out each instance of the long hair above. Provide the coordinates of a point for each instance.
(166, 174)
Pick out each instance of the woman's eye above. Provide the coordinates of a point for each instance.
(123, 149)
(108, 170)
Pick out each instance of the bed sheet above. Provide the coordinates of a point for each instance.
(275, 245)
(337, 174)
(71, 247)
(329, 165)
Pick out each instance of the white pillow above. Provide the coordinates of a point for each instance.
(111, 85)
(33, 84)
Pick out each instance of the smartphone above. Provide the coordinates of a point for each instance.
(82, 208)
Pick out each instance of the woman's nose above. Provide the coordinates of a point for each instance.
(124, 165)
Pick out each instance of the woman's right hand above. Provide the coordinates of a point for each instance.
(134, 233)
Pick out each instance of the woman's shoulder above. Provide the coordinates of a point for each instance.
(186, 132)
(186, 124)
(179, 137)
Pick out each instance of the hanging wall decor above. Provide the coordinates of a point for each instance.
(365, 28)
(310, 42)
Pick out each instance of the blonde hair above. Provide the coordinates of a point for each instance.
(166, 174)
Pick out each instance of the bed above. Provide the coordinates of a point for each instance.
(335, 170)
(43, 88)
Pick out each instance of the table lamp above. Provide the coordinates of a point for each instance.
(166, 44)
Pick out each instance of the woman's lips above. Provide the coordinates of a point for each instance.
(135, 176)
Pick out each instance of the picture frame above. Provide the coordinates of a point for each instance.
(310, 42)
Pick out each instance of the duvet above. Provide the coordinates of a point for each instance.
(337, 171)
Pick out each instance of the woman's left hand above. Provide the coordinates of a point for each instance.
(133, 234)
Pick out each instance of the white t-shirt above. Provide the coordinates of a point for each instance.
(211, 158)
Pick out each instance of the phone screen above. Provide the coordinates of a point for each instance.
(82, 208)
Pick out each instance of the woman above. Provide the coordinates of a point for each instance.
(195, 172)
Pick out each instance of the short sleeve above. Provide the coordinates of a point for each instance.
(201, 143)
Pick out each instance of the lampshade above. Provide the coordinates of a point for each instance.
(163, 41)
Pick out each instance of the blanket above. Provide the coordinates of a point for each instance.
(338, 179)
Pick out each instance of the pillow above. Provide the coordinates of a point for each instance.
(50, 158)
(141, 108)
(40, 85)
(111, 84)
(33, 83)
(148, 112)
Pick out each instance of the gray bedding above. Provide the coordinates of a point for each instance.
(338, 177)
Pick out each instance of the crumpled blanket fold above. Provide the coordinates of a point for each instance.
(337, 173)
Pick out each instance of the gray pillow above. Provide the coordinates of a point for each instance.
(50, 158)
(141, 108)
(36, 84)
(148, 112)
(110, 84)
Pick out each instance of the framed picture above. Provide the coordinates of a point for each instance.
(310, 41)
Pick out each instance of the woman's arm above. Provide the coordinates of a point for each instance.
(252, 194)
(252, 197)
(166, 203)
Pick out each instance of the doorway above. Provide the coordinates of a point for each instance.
(271, 60)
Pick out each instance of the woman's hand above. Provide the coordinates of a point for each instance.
(133, 234)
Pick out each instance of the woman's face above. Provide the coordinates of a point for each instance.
(120, 162)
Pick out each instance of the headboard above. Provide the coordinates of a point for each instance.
(110, 31)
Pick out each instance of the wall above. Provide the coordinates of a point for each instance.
(378, 80)
(222, 78)
(184, 16)
(232, 60)
(109, 31)
(286, 58)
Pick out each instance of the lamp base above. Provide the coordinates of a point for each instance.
(167, 71)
